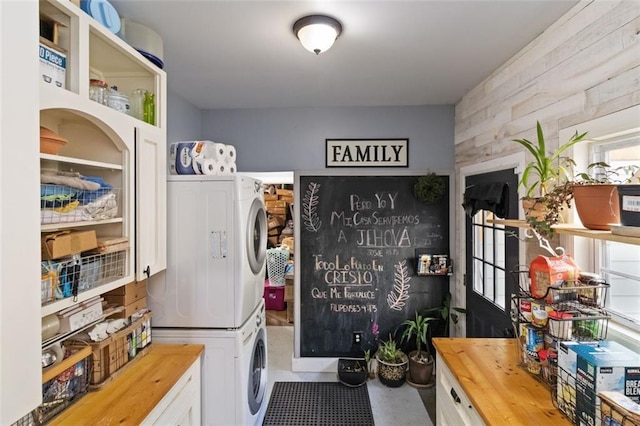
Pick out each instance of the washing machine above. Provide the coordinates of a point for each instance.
(216, 250)
(234, 371)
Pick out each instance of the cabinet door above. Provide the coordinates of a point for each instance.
(19, 221)
(151, 202)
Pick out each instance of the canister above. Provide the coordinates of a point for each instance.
(118, 101)
(98, 91)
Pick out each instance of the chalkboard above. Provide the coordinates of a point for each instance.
(358, 239)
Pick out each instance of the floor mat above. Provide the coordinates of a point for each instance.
(318, 404)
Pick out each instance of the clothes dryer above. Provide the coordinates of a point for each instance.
(234, 370)
(216, 250)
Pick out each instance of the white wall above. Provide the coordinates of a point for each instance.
(273, 139)
(584, 66)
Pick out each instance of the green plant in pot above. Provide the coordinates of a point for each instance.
(545, 181)
(429, 188)
(392, 363)
(595, 193)
(420, 360)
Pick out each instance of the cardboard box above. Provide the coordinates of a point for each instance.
(609, 366)
(290, 312)
(65, 243)
(78, 316)
(53, 66)
(284, 192)
(131, 308)
(127, 294)
(288, 291)
(270, 197)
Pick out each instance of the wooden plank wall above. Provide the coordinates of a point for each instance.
(584, 66)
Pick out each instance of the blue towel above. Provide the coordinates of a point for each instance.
(87, 197)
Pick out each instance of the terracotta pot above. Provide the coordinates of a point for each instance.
(597, 205)
(420, 372)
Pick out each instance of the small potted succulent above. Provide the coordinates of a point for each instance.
(392, 363)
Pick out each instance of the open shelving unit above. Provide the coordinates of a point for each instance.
(574, 230)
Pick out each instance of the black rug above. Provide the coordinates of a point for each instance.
(318, 404)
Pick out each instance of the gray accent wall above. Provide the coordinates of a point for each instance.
(277, 139)
(184, 119)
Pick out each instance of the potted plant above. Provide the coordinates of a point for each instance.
(420, 361)
(545, 181)
(429, 188)
(392, 363)
(595, 192)
(352, 372)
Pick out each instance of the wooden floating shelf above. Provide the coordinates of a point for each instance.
(573, 230)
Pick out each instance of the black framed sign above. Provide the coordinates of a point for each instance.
(367, 152)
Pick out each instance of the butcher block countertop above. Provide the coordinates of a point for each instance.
(501, 391)
(131, 396)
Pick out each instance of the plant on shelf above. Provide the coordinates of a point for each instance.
(392, 363)
(545, 181)
(429, 188)
(420, 361)
(596, 195)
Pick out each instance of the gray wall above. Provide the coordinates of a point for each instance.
(184, 119)
(271, 139)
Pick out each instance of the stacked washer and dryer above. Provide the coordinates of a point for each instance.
(212, 290)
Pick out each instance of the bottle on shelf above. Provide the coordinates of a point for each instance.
(149, 108)
(136, 100)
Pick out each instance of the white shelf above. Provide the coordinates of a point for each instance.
(58, 305)
(81, 162)
(68, 225)
(574, 230)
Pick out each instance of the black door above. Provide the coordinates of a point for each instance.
(491, 254)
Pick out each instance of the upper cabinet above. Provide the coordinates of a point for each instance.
(125, 155)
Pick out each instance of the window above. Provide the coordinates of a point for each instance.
(619, 263)
(489, 258)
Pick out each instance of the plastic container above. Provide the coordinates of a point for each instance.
(274, 298)
(149, 114)
(118, 101)
(103, 12)
(629, 196)
(144, 40)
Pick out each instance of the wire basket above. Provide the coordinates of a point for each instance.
(276, 263)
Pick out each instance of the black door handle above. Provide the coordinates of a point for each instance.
(455, 396)
(147, 271)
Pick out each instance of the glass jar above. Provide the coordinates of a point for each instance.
(118, 101)
(149, 108)
(98, 91)
(136, 100)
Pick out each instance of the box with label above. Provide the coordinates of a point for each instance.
(274, 298)
(53, 66)
(131, 308)
(609, 366)
(566, 380)
(65, 243)
(78, 316)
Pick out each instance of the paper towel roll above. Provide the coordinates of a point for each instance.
(216, 151)
(230, 156)
(230, 168)
(180, 161)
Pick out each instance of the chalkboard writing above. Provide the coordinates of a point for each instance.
(357, 261)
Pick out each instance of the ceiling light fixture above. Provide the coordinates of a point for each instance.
(317, 32)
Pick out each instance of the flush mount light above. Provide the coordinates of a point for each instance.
(317, 32)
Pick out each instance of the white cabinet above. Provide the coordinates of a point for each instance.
(181, 406)
(125, 153)
(151, 202)
(453, 407)
(19, 250)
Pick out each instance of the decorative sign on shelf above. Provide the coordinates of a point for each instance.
(367, 153)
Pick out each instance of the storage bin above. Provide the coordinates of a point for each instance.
(274, 298)
(629, 204)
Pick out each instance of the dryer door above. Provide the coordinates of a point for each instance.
(256, 236)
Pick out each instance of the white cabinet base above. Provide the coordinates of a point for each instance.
(453, 407)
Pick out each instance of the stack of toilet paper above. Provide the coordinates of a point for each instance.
(201, 158)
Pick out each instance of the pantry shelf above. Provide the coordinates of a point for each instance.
(573, 230)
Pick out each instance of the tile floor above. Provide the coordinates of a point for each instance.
(390, 406)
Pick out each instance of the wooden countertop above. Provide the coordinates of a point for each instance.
(131, 396)
(501, 391)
